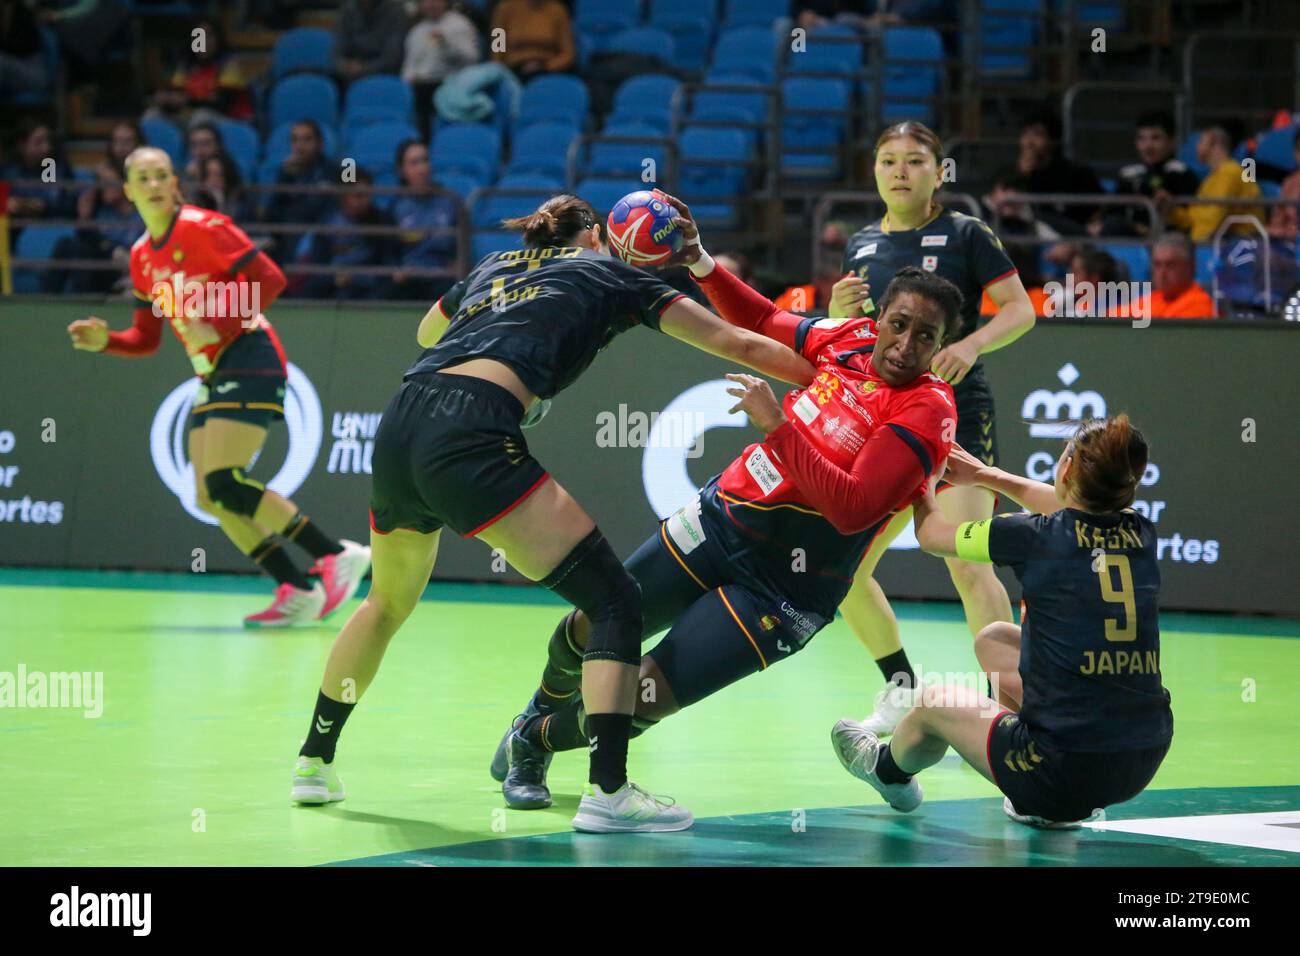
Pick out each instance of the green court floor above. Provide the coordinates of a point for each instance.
(189, 762)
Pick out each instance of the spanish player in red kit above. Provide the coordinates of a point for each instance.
(200, 272)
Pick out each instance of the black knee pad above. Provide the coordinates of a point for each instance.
(640, 725)
(564, 655)
(231, 490)
(593, 580)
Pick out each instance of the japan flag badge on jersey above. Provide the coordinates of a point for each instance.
(929, 263)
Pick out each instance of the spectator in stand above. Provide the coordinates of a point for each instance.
(369, 38)
(37, 156)
(815, 13)
(1225, 180)
(355, 208)
(306, 165)
(202, 142)
(22, 57)
(125, 137)
(1157, 173)
(207, 83)
(87, 30)
(1044, 169)
(107, 226)
(224, 184)
(538, 36)
(1285, 220)
(1176, 293)
(416, 215)
(443, 41)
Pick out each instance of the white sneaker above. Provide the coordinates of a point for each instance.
(291, 607)
(629, 809)
(858, 750)
(341, 574)
(892, 704)
(314, 781)
(1009, 808)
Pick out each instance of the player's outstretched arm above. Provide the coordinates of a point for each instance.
(934, 533)
(141, 339)
(697, 326)
(965, 469)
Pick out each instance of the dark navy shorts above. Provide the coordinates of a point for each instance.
(449, 451)
(247, 385)
(725, 621)
(977, 429)
(1059, 785)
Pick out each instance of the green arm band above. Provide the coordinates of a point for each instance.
(973, 541)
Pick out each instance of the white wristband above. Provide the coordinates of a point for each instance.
(703, 266)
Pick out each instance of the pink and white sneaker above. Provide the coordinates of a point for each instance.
(292, 607)
(341, 574)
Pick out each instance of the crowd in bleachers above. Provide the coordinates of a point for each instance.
(400, 140)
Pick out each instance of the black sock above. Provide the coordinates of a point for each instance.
(897, 664)
(270, 557)
(562, 675)
(302, 532)
(609, 734)
(887, 770)
(564, 729)
(326, 725)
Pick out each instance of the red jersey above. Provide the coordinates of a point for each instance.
(195, 272)
(838, 413)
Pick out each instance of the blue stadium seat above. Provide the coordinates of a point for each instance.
(542, 148)
(662, 11)
(462, 185)
(648, 40)
(749, 51)
(1205, 265)
(813, 125)
(164, 134)
(645, 99)
(1187, 153)
(36, 242)
(604, 193)
(472, 149)
(385, 175)
(710, 186)
(602, 18)
(745, 110)
(554, 97)
(304, 96)
(1136, 258)
(692, 34)
(490, 207)
(833, 48)
(911, 84)
(537, 182)
(1019, 31)
(374, 147)
(1101, 13)
(375, 98)
(243, 144)
(755, 12)
(306, 48)
(605, 158)
(1270, 189)
(491, 241)
(278, 145)
(1277, 147)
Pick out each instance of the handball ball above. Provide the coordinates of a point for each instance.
(641, 229)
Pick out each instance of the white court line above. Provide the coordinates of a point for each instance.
(1263, 831)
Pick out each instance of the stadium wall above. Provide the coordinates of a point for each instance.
(93, 471)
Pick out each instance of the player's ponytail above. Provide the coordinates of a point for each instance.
(556, 222)
(1108, 458)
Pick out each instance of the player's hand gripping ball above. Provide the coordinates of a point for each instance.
(642, 231)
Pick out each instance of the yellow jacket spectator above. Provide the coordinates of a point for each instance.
(1226, 180)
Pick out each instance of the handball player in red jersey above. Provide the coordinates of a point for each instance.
(191, 261)
(750, 569)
